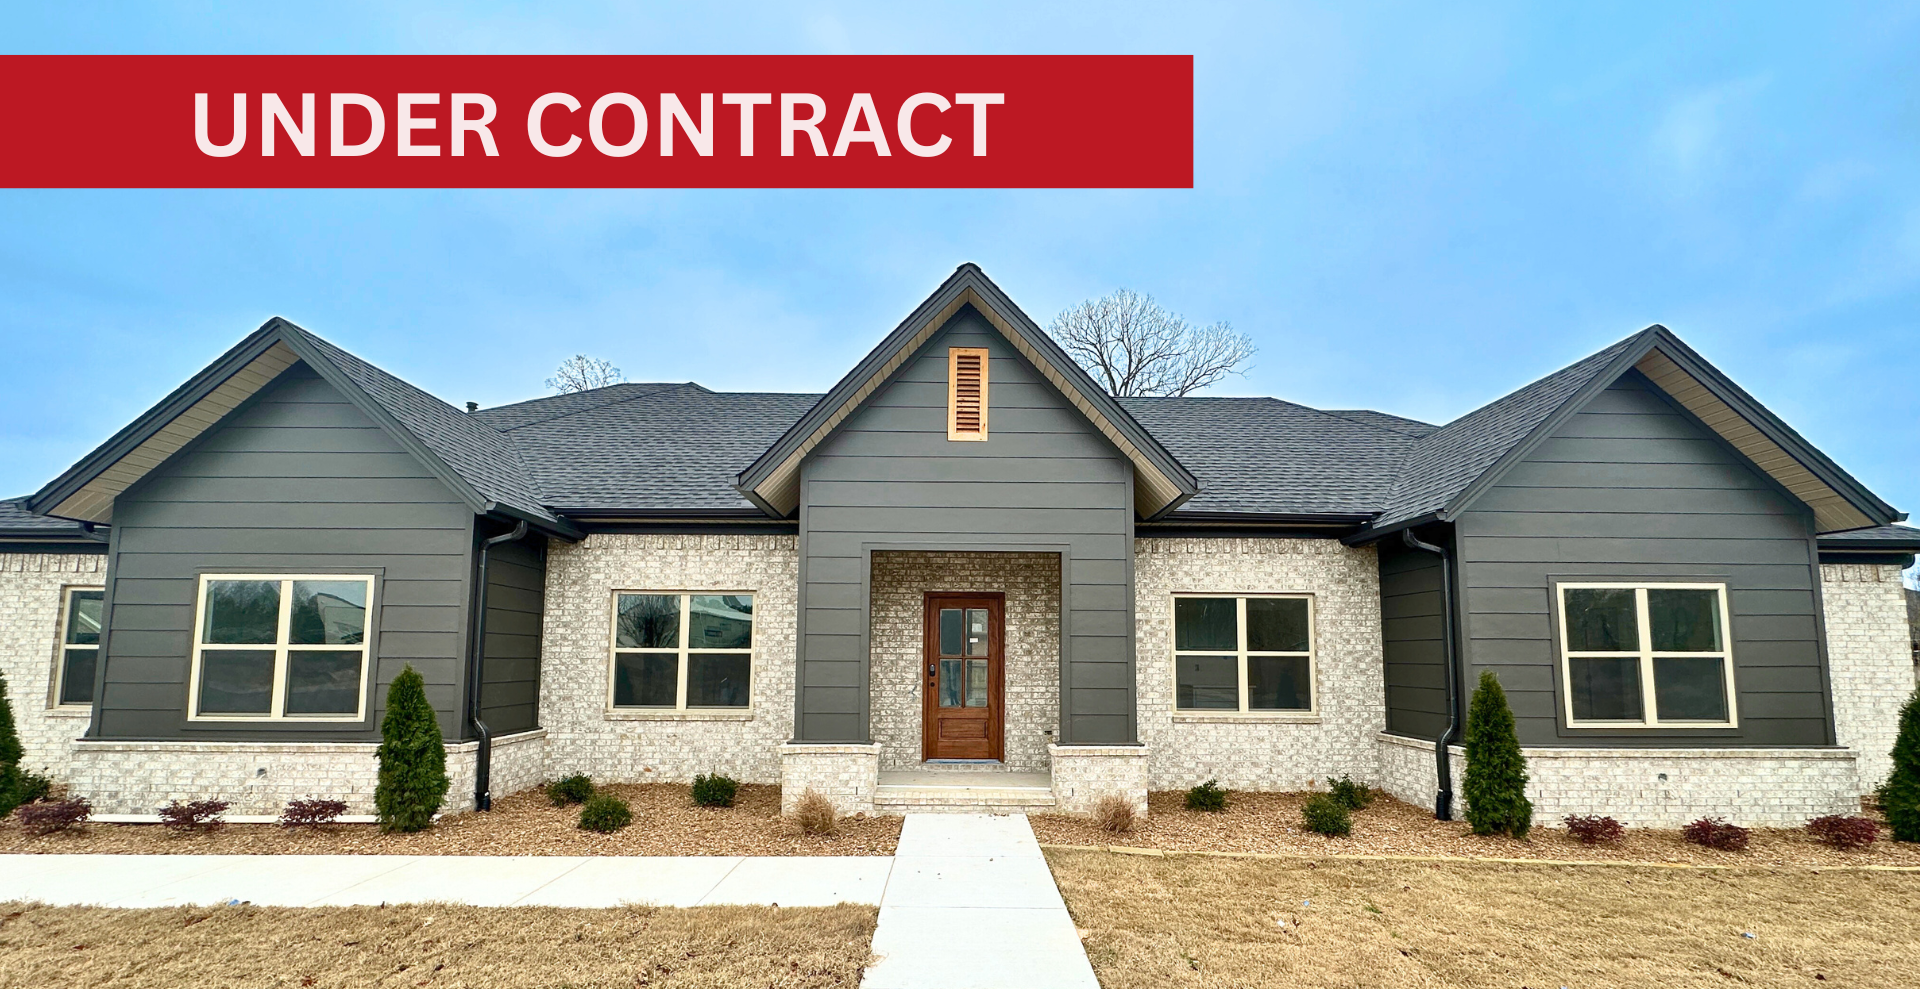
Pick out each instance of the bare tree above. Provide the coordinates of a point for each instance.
(580, 373)
(1134, 346)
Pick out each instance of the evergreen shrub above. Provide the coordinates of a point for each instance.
(714, 791)
(605, 813)
(1325, 815)
(1209, 796)
(573, 789)
(1900, 794)
(1349, 794)
(1496, 783)
(413, 757)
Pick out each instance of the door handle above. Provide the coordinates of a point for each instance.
(931, 670)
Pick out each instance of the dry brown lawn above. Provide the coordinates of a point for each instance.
(665, 822)
(1270, 823)
(434, 945)
(1190, 920)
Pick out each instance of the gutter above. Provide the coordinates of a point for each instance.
(476, 667)
(1442, 758)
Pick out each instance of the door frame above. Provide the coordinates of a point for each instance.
(996, 603)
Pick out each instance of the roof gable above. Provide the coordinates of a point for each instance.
(1448, 469)
(773, 480)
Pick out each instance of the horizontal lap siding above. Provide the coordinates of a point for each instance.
(1413, 641)
(297, 480)
(1632, 487)
(1044, 476)
(516, 591)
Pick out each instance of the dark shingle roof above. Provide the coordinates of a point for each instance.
(15, 520)
(1446, 461)
(1888, 537)
(1266, 455)
(554, 406)
(1399, 424)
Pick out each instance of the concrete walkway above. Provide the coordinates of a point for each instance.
(479, 880)
(972, 905)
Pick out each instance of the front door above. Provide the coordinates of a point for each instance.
(965, 677)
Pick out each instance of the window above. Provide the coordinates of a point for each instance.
(1246, 655)
(79, 646)
(679, 651)
(1646, 655)
(967, 393)
(280, 648)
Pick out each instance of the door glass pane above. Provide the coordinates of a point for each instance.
(1605, 688)
(976, 683)
(1206, 683)
(236, 681)
(950, 685)
(645, 679)
(717, 679)
(1205, 623)
(1278, 683)
(1601, 619)
(1689, 688)
(1277, 624)
(978, 639)
(323, 681)
(648, 621)
(83, 618)
(76, 680)
(720, 621)
(244, 612)
(953, 632)
(328, 612)
(1684, 620)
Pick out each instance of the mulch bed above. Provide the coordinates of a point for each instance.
(665, 822)
(1270, 823)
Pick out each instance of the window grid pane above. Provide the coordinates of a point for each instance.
(682, 651)
(263, 650)
(1264, 660)
(1674, 672)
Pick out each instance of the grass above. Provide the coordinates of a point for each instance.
(1205, 921)
(434, 945)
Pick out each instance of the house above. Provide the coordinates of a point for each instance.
(964, 576)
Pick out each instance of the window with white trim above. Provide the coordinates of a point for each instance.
(80, 616)
(678, 652)
(280, 647)
(1646, 655)
(1249, 654)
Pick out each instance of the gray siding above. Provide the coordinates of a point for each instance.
(1045, 480)
(516, 594)
(296, 480)
(1633, 486)
(1413, 640)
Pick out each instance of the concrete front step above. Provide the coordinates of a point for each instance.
(906, 799)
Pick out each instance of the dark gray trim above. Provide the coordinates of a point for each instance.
(967, 276)
(765, 527)
(50, 546)
(1901, 560)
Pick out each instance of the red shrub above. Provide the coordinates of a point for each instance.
(199, 815)
(48, 816)
(1842, 831)
(311, 813)
(1715, 832)
(1594, 830)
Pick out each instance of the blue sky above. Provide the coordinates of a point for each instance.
(1415, 211)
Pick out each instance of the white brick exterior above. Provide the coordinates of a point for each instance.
(32, 587)
(848, 775)
(576, 657)
(1253, 752)
(1083, 775)
(1031, 581)
(1657, 788)
(1870, 659)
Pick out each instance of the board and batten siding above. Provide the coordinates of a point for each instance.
(1632, 486)
(1045, 480)
(1413, 640)
(516, 594)
(296, 480)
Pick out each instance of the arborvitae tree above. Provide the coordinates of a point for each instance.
(413, 757)
(9, 755)
(1900, 795)
(1496, 783)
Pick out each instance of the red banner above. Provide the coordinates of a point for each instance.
(998, 121)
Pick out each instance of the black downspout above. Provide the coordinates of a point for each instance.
(1442, 758)
(476, 669)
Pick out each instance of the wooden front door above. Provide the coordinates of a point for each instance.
(965, 677)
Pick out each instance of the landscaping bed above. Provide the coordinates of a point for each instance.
(1253, 923)
(435, 945)
(665, 822)
(1271, 823)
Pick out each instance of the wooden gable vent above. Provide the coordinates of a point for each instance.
(967, 393)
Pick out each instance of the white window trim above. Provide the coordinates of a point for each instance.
(1309, 713)
(680, 709)
(60, 648)
(280, 648)
(1649, 710)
